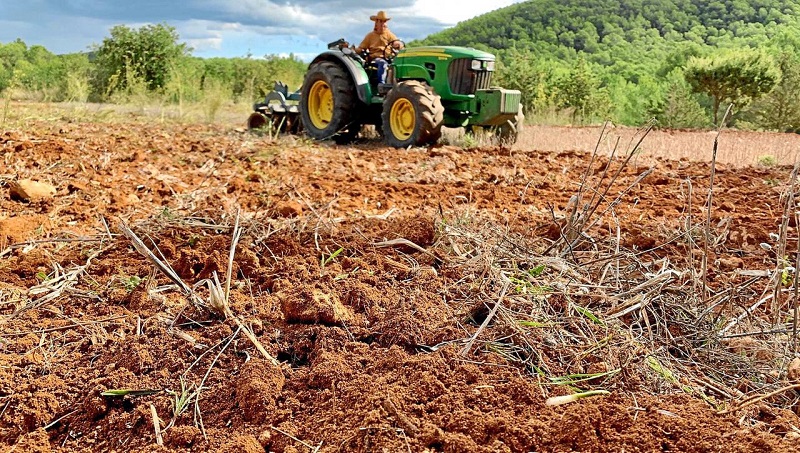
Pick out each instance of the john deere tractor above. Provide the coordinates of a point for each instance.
(426, 88)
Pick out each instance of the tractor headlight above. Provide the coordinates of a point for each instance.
(482, 65)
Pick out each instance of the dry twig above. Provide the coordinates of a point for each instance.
(756, 398)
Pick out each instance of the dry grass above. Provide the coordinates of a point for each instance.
(739, 148)
(602, 317)
(227, 114)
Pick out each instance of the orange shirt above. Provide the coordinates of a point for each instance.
(376, 43)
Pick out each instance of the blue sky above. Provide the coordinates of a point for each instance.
(230, 28)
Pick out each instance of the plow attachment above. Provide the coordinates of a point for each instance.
(279, 111)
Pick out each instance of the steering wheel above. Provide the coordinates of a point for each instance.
(389, 52)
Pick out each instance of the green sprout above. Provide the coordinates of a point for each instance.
(131, 392)
(327, 260)
(131, 282)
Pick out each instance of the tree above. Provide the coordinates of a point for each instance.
(138, 55)
(780, 109)
(523, 71)
(678, 57)
(10, 54)
(737, 76)
(580, 91)
(678, 108)
(38, 73)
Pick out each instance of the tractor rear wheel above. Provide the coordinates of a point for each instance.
(328, 102)
(412, 115)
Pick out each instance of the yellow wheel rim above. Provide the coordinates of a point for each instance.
(320, 104)
(402, 119)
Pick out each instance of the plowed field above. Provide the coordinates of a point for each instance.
(180, 287)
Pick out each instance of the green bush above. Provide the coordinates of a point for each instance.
(136, 55)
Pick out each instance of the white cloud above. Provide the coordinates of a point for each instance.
(204, 44)
(451, 12)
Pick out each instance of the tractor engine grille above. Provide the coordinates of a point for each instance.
(463, 80)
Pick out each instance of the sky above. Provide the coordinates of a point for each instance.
(231, 28)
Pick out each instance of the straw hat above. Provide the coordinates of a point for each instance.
(380, 16)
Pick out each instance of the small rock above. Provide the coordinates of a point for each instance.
(792, 436)
(76, 187)
(311, 306)
(30, 190)
(597, 368)
(656, 179)
(729, 264)
(122, 199)
(289, 209)
(793, 371)
(265, 438)
(643, 241)
(23, 146)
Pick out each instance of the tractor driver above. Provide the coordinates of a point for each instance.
(376, 42)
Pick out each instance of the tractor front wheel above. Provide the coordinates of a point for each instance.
(412, 115)
(328, 102)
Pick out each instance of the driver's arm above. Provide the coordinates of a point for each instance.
(364, 44)
(396, 43)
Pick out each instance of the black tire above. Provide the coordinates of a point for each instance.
(412, 115)
(328, 102)
(348, 135)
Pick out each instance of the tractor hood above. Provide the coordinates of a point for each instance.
(455, 73)
(444, 53)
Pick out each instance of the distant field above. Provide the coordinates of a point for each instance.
(735, 147)
(739, 148)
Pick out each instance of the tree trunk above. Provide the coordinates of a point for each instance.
(716, 109)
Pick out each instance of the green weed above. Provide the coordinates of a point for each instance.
(324, 261)
(131, 282)
(130, 392)
(588, 314)
(181, 401)
(767, 160)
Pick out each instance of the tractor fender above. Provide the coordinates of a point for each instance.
(356, 71)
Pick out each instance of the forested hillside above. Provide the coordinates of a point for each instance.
(633, 54)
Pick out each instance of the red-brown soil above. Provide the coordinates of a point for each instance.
(369, 334)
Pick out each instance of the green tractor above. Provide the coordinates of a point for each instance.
(426, 88)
